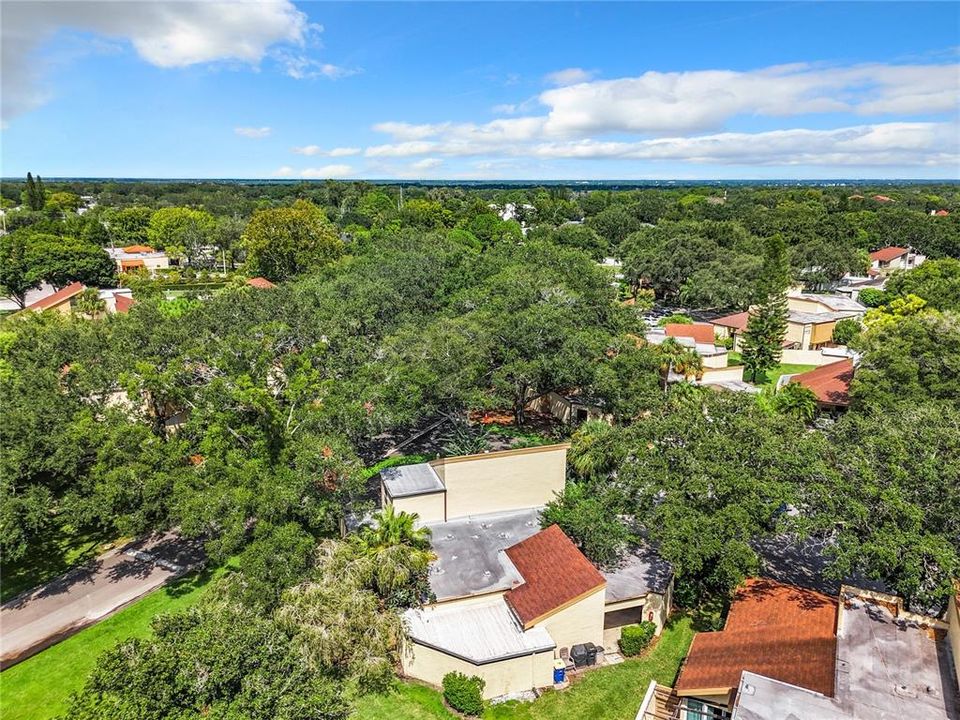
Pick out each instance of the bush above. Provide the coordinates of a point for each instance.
(675, 319)
(872, 297)
(635, 638)
(845, 330)
(464, 693)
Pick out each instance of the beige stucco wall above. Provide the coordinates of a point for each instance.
(804, 305)
(502, 481)
(822, 333)
(428, 507)
(953, 633)
(582, 622)
(715, 361)
(795, 333)
(723, 374)
(502, 678)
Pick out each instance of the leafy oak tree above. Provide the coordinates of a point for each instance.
(283, 242)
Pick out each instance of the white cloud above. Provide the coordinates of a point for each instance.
(570, 76)
(285, 171)
(253, 132)
(327, 171)
(164, 33)
(426, 164)
(335, 152)
(303, 67)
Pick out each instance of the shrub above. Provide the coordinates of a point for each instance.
(464, 693)
(675, 319)
(635, 638)
(872, 297)
(845, 330)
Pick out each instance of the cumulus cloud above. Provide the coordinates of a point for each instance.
(681, 117)
(164, 33)
(303, 67)
(253, 132)
(569, 76)
(327, 171)
(426, 164)
(285, 171)
(334, 152)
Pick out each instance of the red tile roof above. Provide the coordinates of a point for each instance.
(888, 253)
(942, 213)
(58, 297)
(260, 282)
(555, 575)
(882, 198)
(123, 303)
(700, 332)
(138, 249)
(127, 264)
(830, 383)
(780, 631)
(737, 321)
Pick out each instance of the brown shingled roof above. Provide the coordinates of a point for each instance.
(123, 303)
(555, 573)
(780, 631)
(830, 383)
(700, 332)
(738, 321)
(260, 282)
(58, 297)
(888, 253)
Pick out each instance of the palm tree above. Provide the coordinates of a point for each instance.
(395, 528)
(797, 400)
(594, 449)
(675, 358)
(393, 556)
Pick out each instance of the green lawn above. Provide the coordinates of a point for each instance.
(38, 688)
(770, 377)
(55, 551)
(612, 693)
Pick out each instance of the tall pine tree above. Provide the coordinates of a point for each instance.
(29, 196)
(762, 343)
(41, 194)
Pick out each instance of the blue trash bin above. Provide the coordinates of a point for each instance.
(559, 672)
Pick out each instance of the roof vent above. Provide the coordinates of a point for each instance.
(905, 691)
(749, 689)
(502, 536)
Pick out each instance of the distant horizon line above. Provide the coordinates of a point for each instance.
(496, 181)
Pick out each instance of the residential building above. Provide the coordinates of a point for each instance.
(511, 598)
(699, 337)
(789, 652)
(134, 258)
(570, 406)
(886, 260)
(830, 383)
(62, 301)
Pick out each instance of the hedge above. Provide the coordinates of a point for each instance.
(464, 693)
(635, 638)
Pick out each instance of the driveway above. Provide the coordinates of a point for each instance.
(44, 616)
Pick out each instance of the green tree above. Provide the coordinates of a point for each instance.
(128, 226)
(936, 281)
(845, 331)
(61, 204)
(284, 242)
(591, 521)
(89, 304)
(180, 229)
(61, 261)
(796, 400)
(18, 274)
(762, 341)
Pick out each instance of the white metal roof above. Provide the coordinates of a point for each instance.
(478, 633)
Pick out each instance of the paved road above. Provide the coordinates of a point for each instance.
(37, 619)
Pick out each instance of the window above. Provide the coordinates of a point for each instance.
(699, 710)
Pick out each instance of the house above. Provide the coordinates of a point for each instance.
(62, 301)
(699, 337)
(134, 258)
(511, 598)
(888, 259)
(940, 213)
(790, 652)
(570, 407)
(261, 283)
(830, 383)
(731, 326)
(883, 199)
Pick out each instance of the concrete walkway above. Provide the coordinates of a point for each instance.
(44, 616)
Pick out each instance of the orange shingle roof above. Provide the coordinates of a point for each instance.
(738, 321)
(555, 574)
(942, 213)
(58, 297)
(888, 253)
(127, 264)
(780, 631)
(138, 249)
(700, 332)
(123, 303)
(261, 283)
(830, 383)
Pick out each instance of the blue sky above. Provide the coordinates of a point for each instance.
(496, 90)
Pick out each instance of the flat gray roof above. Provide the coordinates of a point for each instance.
(888, 668)
(478, 633)
(470, 558)
(834, 302)
(639, 572)
(812, 318)
(407, 480)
